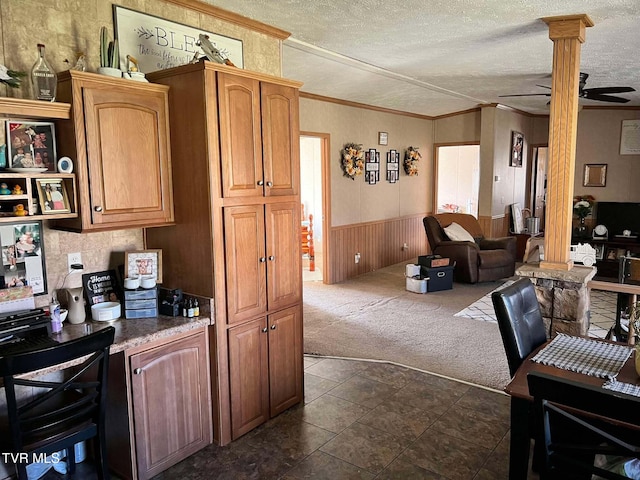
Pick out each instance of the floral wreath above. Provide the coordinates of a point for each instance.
(352, 160)
(411, 158)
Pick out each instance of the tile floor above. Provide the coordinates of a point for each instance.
(366, 420)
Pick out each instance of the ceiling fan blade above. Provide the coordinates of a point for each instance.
(598, 90)
(527, 95)
(605, 98)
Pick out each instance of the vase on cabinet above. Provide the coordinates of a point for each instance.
(110, 71)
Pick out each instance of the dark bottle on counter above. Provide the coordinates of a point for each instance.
(190, 308)
(196, 308)
(184, 307)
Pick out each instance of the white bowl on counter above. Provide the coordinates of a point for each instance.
(131, 283)
(148, 281)
(105, 311)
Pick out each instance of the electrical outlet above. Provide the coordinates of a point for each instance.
(357, 258)
(74, 259)
(405, 247)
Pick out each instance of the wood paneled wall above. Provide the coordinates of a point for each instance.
(494, 227)
(379, 244)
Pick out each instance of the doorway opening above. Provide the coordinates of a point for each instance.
(457, 179)
(537, 191)
(314, 149)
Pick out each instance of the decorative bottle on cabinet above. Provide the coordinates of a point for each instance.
(43, 78)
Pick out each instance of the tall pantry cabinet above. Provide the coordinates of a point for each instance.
(235, 155)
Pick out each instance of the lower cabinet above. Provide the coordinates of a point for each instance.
(265, 368)
(168, 404)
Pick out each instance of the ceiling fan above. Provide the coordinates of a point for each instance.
(599, 93)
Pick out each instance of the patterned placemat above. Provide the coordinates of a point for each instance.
(622, 387)
(584, 355)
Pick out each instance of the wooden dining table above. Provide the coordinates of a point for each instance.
(522, 403)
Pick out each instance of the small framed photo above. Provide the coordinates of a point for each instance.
(144, 262)
(53, 196)
(595, 175)
(383, 138)
(599, 250)
(517, 146)
(31, 145)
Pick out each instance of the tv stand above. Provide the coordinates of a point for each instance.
(609, 251)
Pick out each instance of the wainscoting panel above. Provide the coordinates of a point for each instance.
(378, 243)
(494, 227)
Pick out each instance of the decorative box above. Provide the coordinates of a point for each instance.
(433, 261)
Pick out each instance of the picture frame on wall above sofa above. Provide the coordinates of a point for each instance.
(595, 175)
(517, 146)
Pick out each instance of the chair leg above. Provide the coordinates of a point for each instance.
(71, 460)
(22, 471)
(102, 465)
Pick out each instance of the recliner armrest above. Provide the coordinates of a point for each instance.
(502, 243)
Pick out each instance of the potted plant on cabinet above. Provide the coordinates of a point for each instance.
(109, 55)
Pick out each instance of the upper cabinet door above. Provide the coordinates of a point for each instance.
(118, 138)
(280, 139)
(240, 136)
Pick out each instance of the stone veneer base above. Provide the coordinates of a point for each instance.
(563, 296)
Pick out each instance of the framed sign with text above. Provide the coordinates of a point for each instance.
(159, 44)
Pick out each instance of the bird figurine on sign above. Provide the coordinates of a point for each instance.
(211, 52)
(17, 190)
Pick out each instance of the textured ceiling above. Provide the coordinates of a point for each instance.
(434, 57)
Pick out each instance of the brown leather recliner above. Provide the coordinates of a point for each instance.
(484, 260)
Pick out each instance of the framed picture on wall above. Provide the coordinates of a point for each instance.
(517, 146)
(23, 259)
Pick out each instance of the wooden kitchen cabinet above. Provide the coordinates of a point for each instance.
(158, 403)
(264, 368)
(263, 262)
(118, 140)
(237, 231)
(258, 125)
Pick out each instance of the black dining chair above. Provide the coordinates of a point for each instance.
(520, 321)
(64, 412)
(522, 331)
(577, 421)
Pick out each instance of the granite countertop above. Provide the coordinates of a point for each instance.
(133, 332)
(129, 333)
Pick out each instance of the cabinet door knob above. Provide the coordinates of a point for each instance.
(269, 184)
(260, 183)
(271, 258)
(137, 371)
(263, 259)
(264, 330)
(273, 327)
(98, 208)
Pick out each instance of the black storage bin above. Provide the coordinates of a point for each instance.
(440, 278)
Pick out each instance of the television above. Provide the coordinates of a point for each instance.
(619, 216)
